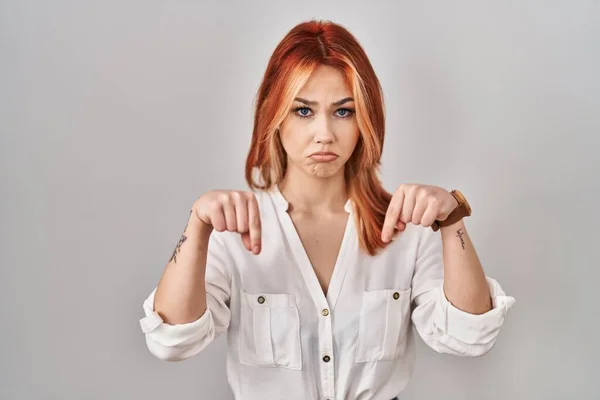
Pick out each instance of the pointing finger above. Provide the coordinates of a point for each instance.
(391, 217)
(254, 225)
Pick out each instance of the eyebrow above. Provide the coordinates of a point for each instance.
(316, 103)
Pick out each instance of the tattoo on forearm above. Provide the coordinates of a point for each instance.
(459, 234)
(177, 248)
(181, 240)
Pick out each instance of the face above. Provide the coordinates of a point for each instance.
(320, 132)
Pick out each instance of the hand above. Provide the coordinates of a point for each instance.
(419, 204)
(234, 211)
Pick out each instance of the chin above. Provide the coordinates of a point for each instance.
(323, 170)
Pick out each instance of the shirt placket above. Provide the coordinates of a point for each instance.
(326, 354)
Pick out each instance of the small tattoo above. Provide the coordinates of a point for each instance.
(177, 249)
(181, 240)
(459, 234)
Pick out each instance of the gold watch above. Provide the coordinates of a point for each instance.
(461, 211)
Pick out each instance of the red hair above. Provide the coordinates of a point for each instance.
(307, 46)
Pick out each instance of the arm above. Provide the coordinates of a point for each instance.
(181, 294)
(464, 323)
(465, 284)
(190, 306)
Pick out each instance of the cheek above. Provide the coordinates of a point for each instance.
(350, 143)
(293, 145)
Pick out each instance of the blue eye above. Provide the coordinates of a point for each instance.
(302, 109)
(347, 112)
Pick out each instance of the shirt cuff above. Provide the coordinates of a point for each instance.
(473, 328)
(173, 335)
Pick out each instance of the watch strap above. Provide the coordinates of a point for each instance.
(461, 211)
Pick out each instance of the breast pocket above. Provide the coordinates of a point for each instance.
(383, 326)
(269, 330)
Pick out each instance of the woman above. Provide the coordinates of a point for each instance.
(315, 272)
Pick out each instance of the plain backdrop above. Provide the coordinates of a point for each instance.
(116, 115)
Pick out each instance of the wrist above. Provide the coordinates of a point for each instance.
(199, 227)
(463, 209)
(453, 227)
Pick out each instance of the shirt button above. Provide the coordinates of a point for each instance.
(261, 299)
(396, 295)
(326, 359)
(325, 312)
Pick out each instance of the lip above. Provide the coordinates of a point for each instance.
(324, 156)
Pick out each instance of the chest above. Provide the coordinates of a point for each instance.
(321, 239)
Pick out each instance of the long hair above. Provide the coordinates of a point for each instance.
(307, 46)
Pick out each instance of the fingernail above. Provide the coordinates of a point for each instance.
(256, 249)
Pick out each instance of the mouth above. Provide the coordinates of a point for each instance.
(324, 156)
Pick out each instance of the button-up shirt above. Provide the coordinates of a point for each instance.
(286, 339)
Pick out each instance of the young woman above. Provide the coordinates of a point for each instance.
(317, 273)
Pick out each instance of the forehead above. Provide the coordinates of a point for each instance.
(326, 81)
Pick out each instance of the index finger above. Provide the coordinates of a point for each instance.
(254, 225)
(392, 215)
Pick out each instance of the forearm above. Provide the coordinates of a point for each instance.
(181, 293)
(465, 284)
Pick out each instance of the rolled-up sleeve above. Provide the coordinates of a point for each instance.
(181, 341)
(442, 326)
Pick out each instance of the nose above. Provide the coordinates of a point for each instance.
(323, 132)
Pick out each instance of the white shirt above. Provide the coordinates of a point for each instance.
(287, 340)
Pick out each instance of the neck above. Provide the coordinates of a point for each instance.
(314, 195)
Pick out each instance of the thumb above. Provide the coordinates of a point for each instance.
(400, 225)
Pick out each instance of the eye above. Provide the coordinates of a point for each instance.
(302, 110)
(345, 112)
